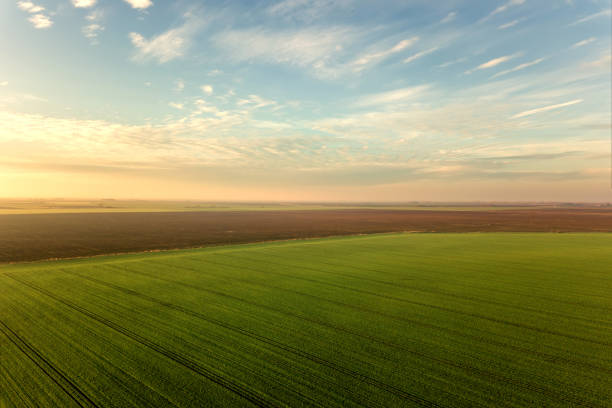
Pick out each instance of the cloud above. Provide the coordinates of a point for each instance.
(168, 45)
(419, 55)
(4, 83)
(95, 15)
(493, 63)
(452, 62)
(139, 4)
(546, 109)
(603, 13)
(84, 3)
(395, 96)
(307, 48)
(306, 10)
(91, 31)
(40, 21)
(179, 85)
(584, 42)
(255, 101)
(367, 59)
(449, 17)
(519, 67)
(603, 62)
(207, 89)
(29, 7)
(504, 7)
(508, 25)
(176, 105)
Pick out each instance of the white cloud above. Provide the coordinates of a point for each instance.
(40, 21)
(508, 25)
(95, 15)
(91, 31)
(603, 13)
(139, 4)
(604, 62)
(519, 67)
(420, 55)
(545, 109)
(84, 3)
(395, 96)
(452, 62)
(449, 17)
(493, 63)
(584, 42)
(30, 7)
(307, 48)
(364, 60)
(176, 105)
(4, 83)
(255, 101)
(504, 7)
(306, 10)
(168, 45)
(207, 89)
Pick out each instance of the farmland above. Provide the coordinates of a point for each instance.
(28, 237)
(497, 319)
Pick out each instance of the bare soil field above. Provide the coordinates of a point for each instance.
(29, 237)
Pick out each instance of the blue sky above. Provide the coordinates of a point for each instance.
(306, 99)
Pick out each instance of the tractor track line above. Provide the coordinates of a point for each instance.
(237, 389)
(81, 399)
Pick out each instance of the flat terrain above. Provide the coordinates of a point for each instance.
(25, 237)
(386, 320)
(59, 206)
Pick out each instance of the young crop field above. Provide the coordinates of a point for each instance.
(390, 320)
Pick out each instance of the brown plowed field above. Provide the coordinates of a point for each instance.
(27, 237)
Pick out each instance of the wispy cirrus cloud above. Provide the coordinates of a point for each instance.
(493, 63)
(509, 24)
(519, 67)
(309, 48)
(449, 17)
(306, 10)
(372, 58)
(394, 96)
(420, 54)
(603, 13)
(504, 7)
(545, 109)
(584, 42)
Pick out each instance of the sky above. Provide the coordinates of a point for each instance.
(306, 100)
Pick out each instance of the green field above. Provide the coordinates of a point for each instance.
(384, 320)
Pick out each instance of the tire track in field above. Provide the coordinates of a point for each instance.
(225, 383)
(423, 304)
(544, 356)
(54, 373)
(530, 310)
(464, 367)
(271, 342)
(310, 320)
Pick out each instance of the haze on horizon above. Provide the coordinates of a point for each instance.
(306, 100)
